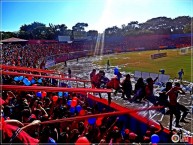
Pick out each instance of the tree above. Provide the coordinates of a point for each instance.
(42, 33)
(112, 31)
(24, 35)
(160, 25)
(79, 26)
(179, 23)
(78, 30)
(58, 30)
(188, 28)
(29, 29)
(132, 25)
(93, 34)
(6, 35)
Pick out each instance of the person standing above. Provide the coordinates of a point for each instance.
(92, 74)
(173, 105)
(108, 64)
(180, 74)
(65, 64)
(69, 72)
(127, 87)
(139, 92)
(182, 107)
(162, 71)
(114, 83)
(96, 80)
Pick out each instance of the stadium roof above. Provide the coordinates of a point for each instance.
(10, 40)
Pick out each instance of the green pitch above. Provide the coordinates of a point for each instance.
(142, 61)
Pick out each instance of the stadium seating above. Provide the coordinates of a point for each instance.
(145, 75)
(153, 76)
(137, 75)
(162, 79)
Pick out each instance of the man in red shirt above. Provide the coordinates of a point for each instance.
(12, 133)
(173, 105)
(113, 84)
(96, 80)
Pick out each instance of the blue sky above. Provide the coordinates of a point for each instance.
(99, 14)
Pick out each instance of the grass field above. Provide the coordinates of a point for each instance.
(141, 61)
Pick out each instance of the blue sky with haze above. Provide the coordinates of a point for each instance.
(99, 14)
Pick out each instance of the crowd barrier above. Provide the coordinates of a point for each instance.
(161, 77)
(53, 89)
(50, 74)
(8, 67)
(41, 76)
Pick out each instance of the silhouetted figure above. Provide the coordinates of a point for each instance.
(149, 90)
(69, 72)
(65, 64)
(108, 64)
(182, 107)
(162, 71)
(139, 92)
(127, 87)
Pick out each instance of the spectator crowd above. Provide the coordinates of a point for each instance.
(33, 55)
(22, 110)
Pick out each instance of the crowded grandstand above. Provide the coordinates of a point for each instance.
(54, 92)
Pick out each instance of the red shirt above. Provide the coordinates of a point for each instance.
(148, 91)
(22, 137)
(96, 79)
(113, 83)
(173, 95)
